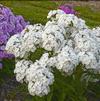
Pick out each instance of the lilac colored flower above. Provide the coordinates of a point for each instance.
(3, 39)
(3, 55)
(68, 9)
(2, 48)
(10, 24)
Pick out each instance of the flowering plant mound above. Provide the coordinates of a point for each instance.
(10, 24)
(67, 41)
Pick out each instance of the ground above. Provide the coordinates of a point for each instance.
(36, 12)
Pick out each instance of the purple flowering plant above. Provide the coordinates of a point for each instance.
(68, 9)
(10, 24)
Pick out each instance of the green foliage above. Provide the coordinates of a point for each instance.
(65, 88)
(91, 17)
(36, 55)
(7, 70)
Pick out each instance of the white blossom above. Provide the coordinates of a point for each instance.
(88, 59)
(14, 46)
(39, 77)
(32, 33)
(36, 75)
(53, 13)
(27, 41)
(52, 61)
(39, 88)
(52, 37)
(84, 42)
(67, 60)
(31, 37)
(70, 21)
(20, 69)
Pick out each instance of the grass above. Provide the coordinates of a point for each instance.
(36, 11)
(33, 11)
(72, 89)
(92, 18)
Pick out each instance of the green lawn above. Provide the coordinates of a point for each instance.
(72, 89)
(36, 11)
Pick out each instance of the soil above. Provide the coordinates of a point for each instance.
(8, 86)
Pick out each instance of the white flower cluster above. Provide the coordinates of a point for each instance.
(86, 47)
(67, 60)
(20, 69)
(36, 75)
(68, 40)
(53, 13)
(21, 44)
(52, 37)
(68, 21)
(14, 46)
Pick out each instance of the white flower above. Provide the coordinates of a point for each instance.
(84, 42)
(14, 46)
(31, 36)
(52, 62)
(39, 77)
(27, 41)
(39, 69)
(88, 59)
(52, 37)
(67, 60)
(20, 69)
(53, 13)
(71, 21)
(39, 88)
